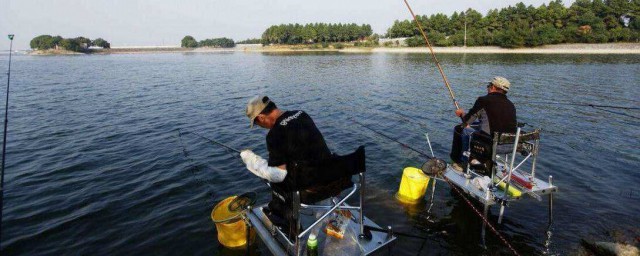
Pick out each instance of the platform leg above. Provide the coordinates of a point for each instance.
(501, 213)
(484, 226)
(433, 192)
(248, 239)
(362, 187)
(550, 208)
(550, 201)
(248, 228)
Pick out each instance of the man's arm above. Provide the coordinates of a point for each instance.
(258, 166)
(471, 115)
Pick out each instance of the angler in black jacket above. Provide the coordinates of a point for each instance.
(494, 112)
(293, 138)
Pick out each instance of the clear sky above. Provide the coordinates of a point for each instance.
(165, 22)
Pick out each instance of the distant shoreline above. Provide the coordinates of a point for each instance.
(608, 48)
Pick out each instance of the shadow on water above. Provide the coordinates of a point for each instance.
(458, 231)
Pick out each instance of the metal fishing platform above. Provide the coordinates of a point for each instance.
(464, 181)
(499, 176)
(361, 236)
(351, 244)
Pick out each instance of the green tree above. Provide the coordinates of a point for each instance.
(189, 42)
(101, 43)
(513, 36)
(83, 42)
(41, 42)
(217, 42)
(71, 45)
(547, 34)
(315, 32)
(250, 41)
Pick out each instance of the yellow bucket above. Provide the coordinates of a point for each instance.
(413, 185)
(232, 231)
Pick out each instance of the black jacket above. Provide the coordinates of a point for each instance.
(495, 112)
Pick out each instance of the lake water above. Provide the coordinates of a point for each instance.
(95, 165)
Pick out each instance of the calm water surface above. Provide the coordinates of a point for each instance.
(95, 165)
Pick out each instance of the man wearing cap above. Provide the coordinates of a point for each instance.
(495, 113)
(292, 136)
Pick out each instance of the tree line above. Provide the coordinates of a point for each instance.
(78, 44)
(250, 41)
(315, 33)
(190, 42)
(585, 21)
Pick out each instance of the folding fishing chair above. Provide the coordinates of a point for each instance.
(304, 176)
(499, 151)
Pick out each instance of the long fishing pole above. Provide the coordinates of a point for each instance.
(372, 228)
(4, 140)
(581, 104)
(606, 108)
(433, 55)
(396, 141)
(213, 141)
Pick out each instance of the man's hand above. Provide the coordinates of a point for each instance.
(246, 155)
(258, 166)
(460, 112)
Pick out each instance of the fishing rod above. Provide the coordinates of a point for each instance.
(396, 141)
(4, 140)
(606, 108)
(213, 141)
(581, 104)
(372, 228)
(433, 55)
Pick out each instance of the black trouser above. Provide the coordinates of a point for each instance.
(456, 144)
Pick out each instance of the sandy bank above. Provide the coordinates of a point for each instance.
(53, 52)
(610, 48)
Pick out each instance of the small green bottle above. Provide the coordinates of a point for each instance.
(312, 245)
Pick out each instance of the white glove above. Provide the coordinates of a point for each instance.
(258, 166)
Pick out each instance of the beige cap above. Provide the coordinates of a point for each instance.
(255, 106)
(501, 83)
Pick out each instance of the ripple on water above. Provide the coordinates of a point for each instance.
(96, 163)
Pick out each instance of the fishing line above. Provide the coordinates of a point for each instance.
(195, 168)
(212, 141)
(606, 108)
(225, 146)
(581, 104)
(392, 139)
(615, 112)
(4, 140)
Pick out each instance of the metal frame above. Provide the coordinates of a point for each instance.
(526, 141)
(295, 247)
